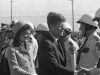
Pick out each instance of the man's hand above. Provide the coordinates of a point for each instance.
(86, 72)
(80, 72)
(78, 67)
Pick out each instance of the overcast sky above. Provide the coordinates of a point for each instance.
(36, 11)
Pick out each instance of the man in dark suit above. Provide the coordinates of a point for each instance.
(51, 56)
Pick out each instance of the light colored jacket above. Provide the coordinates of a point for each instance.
(21, 60)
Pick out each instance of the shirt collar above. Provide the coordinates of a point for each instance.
(94, 34)
(53, 37)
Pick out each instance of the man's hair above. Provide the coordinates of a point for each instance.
(55, 18)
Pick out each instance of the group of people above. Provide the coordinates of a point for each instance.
(49, 49)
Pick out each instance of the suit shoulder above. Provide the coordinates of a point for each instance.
(45, 42)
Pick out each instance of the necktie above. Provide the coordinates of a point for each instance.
(62, 51)
(79, 52)
(60, 48)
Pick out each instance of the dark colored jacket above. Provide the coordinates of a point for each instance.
(51, 61)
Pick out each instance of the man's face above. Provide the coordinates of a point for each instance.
(58, 29)
(9, 35)
(82, 28)
(38, 36)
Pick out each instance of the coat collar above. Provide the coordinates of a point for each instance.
(50, 37)
(53, 37)
(21, 47)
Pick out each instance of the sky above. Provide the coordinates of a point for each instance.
(36, 11)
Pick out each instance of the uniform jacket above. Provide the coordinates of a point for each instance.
(51, 59)
(91, 54)
(20, 59)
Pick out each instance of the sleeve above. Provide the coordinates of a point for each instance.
(47, 53)
(35, 50)
(96, 71)
(13, 64)
(97, 49)
(76, 49)
(74, 56)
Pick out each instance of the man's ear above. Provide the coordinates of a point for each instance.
(50, 26)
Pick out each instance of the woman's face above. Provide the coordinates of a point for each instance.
(25, 34)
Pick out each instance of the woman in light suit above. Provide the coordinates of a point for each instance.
(20, 53)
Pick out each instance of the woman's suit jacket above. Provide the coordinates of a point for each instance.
(21, 60)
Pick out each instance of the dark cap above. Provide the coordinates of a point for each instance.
(3, 24)
(94, 19)
(54, 18)
(79, 21)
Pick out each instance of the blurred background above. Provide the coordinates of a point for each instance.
(36, 11)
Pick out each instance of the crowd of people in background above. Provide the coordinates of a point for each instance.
(51, 48)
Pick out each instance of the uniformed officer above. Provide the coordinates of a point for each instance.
(41, 30)
(89, 53)
(97, 17)
(70, 46)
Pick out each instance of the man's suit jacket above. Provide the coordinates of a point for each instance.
(51, 59)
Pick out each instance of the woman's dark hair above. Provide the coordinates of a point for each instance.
(20, 31)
